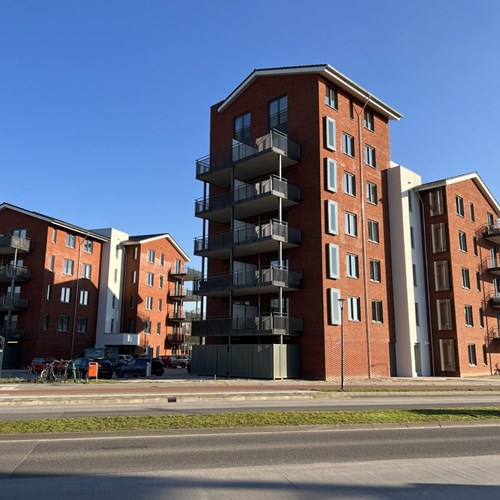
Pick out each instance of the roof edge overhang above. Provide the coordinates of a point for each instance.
(474, 176)
(327, 71)
(159, 237)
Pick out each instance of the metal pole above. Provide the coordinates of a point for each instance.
(341, 305)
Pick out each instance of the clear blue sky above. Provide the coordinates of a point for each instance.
(104, 104)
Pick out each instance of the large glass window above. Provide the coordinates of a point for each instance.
(278, 114)
(348, 144)
(351, 224)
(354, 308)
(242, 125)
(332, 98)
(438, 232)
(447, 353)
(444, 314)
(436, 203)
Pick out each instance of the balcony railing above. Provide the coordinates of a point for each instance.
(492, 265)
(12, 302)
(185, 294)
(491, 232)
(273, 324)
(493, 299)
(186, 273)
(174, 338)
(8, 243)
(261, 193)
(494, 334)
(247, 235)
(12, 334)
(17, 273)
(249, 280)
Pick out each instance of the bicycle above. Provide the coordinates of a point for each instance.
(497, 370)
(47, 375)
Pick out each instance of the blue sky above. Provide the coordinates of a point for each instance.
(104, 104)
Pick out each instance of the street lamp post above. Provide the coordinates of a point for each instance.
(341, 305)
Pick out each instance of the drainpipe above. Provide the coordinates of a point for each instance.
(363, 235)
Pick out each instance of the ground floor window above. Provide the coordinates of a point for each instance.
(471, 349)
(447, 354)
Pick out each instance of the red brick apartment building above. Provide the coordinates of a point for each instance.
(295, 218)
(463, 242)
(62, 289)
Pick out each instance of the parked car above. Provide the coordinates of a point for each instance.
(176, 361)
(138, 368)
(104, 368)
(38, 364)
(123, 359)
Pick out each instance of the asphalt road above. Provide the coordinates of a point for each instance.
(356, 402)
(451, 462)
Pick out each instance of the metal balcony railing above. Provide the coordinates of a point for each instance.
(490, 230)
(174, 338)
(12, 302)
(493, 299)
(248, 234)
(249, 279)
(272, 185)
(494, 334)
(272, 324)
(187, 273)
(490, 264)
(183, 293)
(15, 243)
(274, 140)
(11, 272)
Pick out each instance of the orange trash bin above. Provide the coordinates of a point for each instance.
(93, 368)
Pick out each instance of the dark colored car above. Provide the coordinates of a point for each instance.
(38, 364)
(138, 368)
(104, 368)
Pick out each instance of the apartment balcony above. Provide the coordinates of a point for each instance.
(16, 273)
(493, 299)
(494, 334)
(491, 265)
(176, 317)
(174, 338)
(256, 159)
(122, 339)
(185, 273)
(248, 200)
(12, 334)
(184, 294)
(242, 283)
(9, 244)
(272, 324)
(491, 233)
(192, 316)
(248, 240)
(13, 303)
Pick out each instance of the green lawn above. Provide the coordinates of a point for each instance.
(225, 420)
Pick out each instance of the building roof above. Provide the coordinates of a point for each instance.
(145, 238)
(54, 221)
(474, 176)
(329, 72)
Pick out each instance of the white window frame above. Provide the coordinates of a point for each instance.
(68, 267)
(469, 316)
(354, 308)
(444, 314)
(377, 311)
(370, 156)
(375, 271)
(373, 231)
(84, 297)
(87, 271)
(348, 145)
(371, 193)
(66, 294)
(462, 241)
(334, 312)
(438, 234)
(351, 224)
(149, 303)
(331, 175)
(352, 265)
(465, 278)
(150, 279)
(333, 224)
(349, 181)
(441, 275)
(333, 261)
(459, 205)
(330, 134)
(332, 97)
(369, 120)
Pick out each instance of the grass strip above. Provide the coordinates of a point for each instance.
(225, 420)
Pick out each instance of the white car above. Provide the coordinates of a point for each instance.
(123, 359)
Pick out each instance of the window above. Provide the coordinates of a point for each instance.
(68, 267)
(410, 201)
(113, 301)
(436, 204)
(459, 203)
(54, 235)
(46, 322)
(478, 281)
(354, 308)
(471, 350)
(136, 253)
(447, 352)
(160, 304)
(88, 246)
(331, 175)
(149, 303)
(414, 272)
(82, 325)
(412, 237)
(70, 240)
(334, 316)
(162, 259)
(474, 243)
(150, 279)
(375, 273)
(278, 114)
(134, 277)
(370, 158)
(462, 241)
(330, 133)
(371, 193)
(147, 327)
(369, 121)
(348, 144)
(481, 317)
(84, 297)
(417, 314)
(115, 276)
(160, 281)
(151, 256)
(472, 213)
(377, 311)
(49, 291)
(490, 219)
(444, 314)
(63, 323)
(349, 184)
(86, 271)
(351, 224)
(331, 97)
(352, 266)
(465, 278)
(438, 237)
(351, 109)
(333, 261)
(242, 125)
(158, 328)
(441, 275)
(65, 294)
(469, 320)
(112, 325)
(373, 234)
(52, 263)
(332, 217)
(485, 355)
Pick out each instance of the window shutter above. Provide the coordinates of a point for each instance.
(333, 298)
(332, 217)
(333, 261)
(331, 174)
(330, 131)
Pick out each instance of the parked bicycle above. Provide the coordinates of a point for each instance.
(47, 375)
